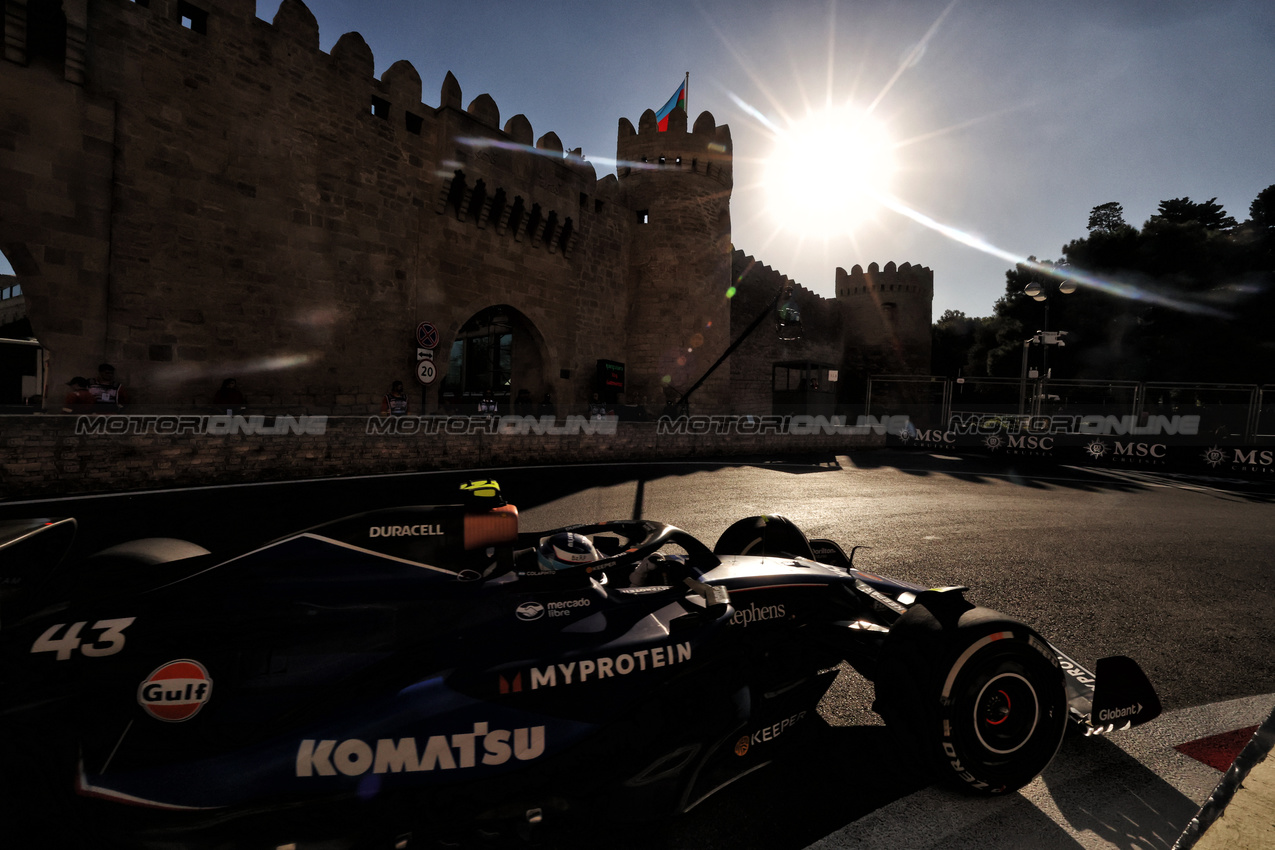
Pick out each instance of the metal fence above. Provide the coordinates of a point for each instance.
(1225, 411)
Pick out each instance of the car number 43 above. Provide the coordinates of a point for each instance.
(109, 641)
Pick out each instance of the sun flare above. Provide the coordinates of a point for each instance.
(828, 172)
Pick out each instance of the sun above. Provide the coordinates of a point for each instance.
(828, 172)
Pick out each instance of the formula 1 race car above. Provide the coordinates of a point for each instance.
(439, 668)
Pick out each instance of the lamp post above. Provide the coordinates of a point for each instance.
(1044, 337)
(1040, 293)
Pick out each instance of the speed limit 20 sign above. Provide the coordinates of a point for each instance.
(426, 371)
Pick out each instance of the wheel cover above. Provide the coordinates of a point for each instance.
(1005, 713)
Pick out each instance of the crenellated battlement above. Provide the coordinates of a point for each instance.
(705, 149)
(752, 270)
(289, 43)
(904, 279)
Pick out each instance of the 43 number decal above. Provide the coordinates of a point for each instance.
(108, 641)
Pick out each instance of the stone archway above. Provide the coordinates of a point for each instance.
(23, 360)
(497, 350)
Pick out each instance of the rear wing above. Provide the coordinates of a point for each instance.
(1118, 696)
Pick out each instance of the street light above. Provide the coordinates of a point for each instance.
(1044, 337)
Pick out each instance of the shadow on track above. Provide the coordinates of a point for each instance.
(1040, 474)
(233, 518)
(834, 776)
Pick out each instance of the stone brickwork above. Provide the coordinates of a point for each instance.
(193, 193)
(751, 366)
(681, 255)
(878, 323)
(276, 213)
(888, 314)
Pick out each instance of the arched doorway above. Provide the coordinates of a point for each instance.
(498, 350)
(23, 360)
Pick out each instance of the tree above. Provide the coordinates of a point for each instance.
(951, 339)
(1107, 218)
(1261, 212)
(1183, 210)
(1188, 297)
(997, 347)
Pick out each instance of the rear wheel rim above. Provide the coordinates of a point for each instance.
(1005, 713)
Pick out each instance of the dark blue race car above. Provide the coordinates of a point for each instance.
(419, 670)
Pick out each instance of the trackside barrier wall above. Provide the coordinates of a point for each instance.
(1209, 429)
(1168, 443)
(54, 455)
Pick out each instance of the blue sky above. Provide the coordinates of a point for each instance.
(1011, 119)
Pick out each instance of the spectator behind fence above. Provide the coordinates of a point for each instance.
(394, 402)
(229, 400)
(108, 393)
(78, 398)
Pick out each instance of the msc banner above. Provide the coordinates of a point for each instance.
(1171, 443)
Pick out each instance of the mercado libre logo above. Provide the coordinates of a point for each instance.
(1214, 456)
(528, 611)
(175, 691)
(1096, 449)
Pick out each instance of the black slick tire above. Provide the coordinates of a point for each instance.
(976, 697)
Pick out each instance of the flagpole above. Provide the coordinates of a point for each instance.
(688, 93)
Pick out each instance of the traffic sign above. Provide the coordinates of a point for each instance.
(426, 335)
(424, 354)
(426, 371)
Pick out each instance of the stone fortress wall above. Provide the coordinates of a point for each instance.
(887, 317)
(194, 193)
(681, 252)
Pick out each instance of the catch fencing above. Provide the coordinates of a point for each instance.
(1195, 427)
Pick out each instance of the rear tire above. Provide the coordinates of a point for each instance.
(981, 700)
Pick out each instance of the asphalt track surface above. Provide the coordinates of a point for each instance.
(1175, 572)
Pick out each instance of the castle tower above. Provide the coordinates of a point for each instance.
(887, 315)
(678, 185)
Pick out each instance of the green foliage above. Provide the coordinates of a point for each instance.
(1262, 211)
(1209, 214)
(1106, 218)
(1189, 297)
(951, 338)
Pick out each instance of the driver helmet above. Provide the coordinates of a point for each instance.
(564, 550)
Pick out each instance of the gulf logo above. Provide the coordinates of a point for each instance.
(175, 691)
